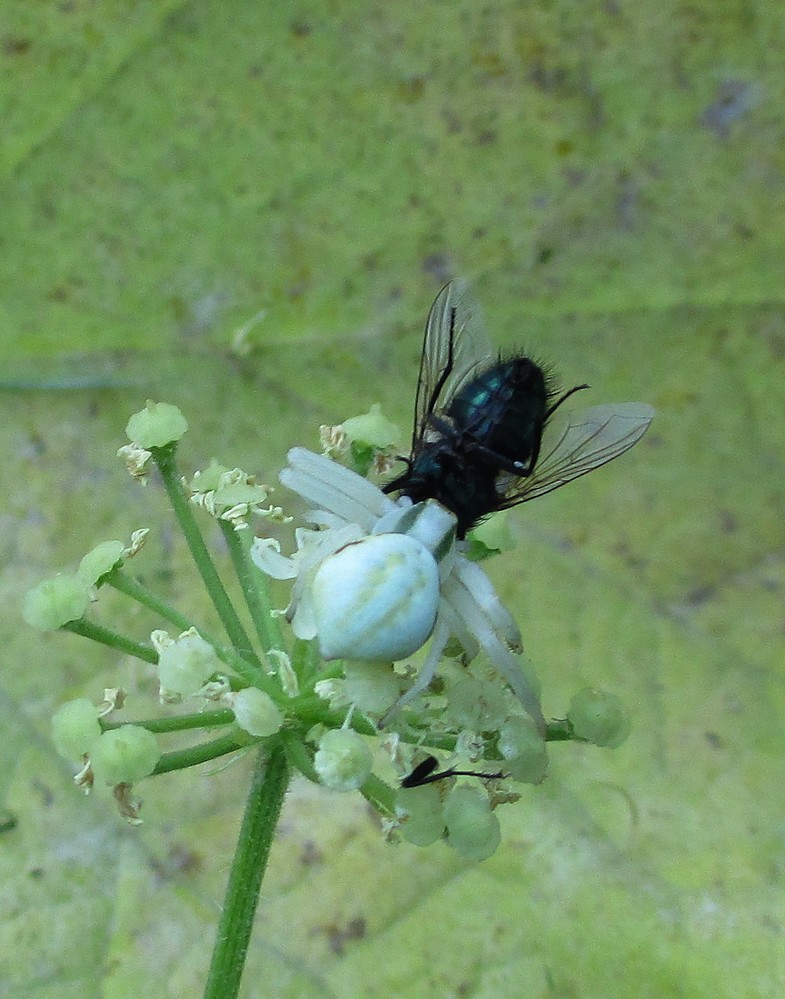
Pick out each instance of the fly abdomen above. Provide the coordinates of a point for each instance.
(503, 410)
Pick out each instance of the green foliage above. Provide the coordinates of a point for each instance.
(609, 176)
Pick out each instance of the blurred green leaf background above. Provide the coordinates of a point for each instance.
(305, 176)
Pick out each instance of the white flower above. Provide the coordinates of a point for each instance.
(137, 460)
(255, 711)
(185, 663)
(343, 760)
(353, 512)
(230, 494)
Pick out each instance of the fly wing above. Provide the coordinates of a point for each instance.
(580, 442)
(455, 347)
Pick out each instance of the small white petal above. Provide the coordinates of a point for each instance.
(302, 617)
(266, 554)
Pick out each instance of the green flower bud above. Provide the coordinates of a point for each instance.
(124, 755)
(472, 828)
(371, 428)
(208, 479)
(598, 718)
(372, 687)
(75, 728)
(422, 814)
(185, 664)
(157, 425)
(524, 749)
(475, 704)
(256, 712)
(343, 760)
(55, 602)
(100, 560)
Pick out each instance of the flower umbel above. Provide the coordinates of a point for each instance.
(375, 581)
(381, 576)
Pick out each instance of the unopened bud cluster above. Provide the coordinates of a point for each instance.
(117, 756)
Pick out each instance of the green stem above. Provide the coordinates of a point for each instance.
(262, 810)
(181, 759)
(310, 709)
(180, 723)
(559, 731)
(306, 661)
(164, 458)
(98, 633)
(379, 794)
(330, 671)
(255, 590)
(138, 591)
(298, 756)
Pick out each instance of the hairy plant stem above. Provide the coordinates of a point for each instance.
(263, 807)
(180, 759)
(255, 589)
(107, 636)
(178, 723)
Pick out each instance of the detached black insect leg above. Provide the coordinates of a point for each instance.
(423, 774)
